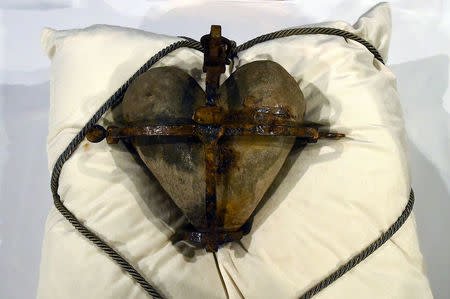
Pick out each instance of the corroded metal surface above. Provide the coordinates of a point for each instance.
(210, 151)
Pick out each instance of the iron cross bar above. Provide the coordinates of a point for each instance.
(114, 134)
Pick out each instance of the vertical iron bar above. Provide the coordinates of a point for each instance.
(211, 149)
(214, 66)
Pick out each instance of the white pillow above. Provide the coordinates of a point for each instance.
(335, 199)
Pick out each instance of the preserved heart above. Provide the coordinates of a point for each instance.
(247, 165)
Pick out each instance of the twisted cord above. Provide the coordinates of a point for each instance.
(117, 97)
(364, 253)
(309, 30)
(106, 249)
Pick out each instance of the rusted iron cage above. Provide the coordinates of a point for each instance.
(210, 123)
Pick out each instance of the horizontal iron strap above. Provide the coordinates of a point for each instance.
(270, 130)
(211, 149)
(115, 133)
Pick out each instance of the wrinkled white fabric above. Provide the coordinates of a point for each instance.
(332, 199)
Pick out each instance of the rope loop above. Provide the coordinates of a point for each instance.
(117, 98)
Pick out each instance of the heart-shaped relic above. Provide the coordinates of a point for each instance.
(247, 165)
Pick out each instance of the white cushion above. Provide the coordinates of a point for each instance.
(336, 197)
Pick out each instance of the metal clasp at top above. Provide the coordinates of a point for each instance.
(217, 50)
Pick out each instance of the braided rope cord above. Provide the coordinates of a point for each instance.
(364, 253)
(117, 97)
(310, 30)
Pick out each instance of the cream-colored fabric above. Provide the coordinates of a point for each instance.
(331, 200)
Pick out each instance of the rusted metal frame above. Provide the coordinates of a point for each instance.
(210, 124)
